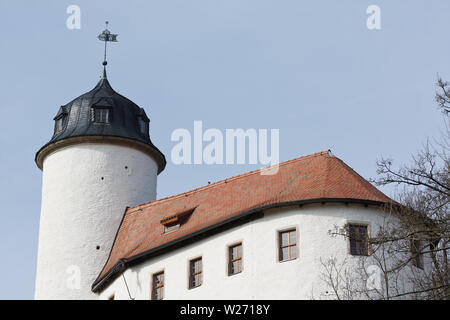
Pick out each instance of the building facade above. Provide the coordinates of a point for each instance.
(263, 274)
(103, 234)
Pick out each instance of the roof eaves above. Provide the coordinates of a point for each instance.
(123, 263)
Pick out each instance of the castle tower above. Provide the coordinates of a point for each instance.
(99, 161)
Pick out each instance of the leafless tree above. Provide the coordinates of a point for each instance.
(443, 96)
(410, 254)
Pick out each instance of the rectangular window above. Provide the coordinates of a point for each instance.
(59, 124)
(235, 259)
(358, 238)
(288, 245)
(101, 115)
(417, 257)
(195, 273)
(143, 126)
(158, 286)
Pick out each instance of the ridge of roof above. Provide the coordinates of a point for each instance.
(226, 180)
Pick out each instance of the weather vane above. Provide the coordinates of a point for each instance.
(106, 36)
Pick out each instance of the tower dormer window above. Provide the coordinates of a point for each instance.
(143, 122)
(59, 124)
(102, 115)
(60, 119)
(143, 125)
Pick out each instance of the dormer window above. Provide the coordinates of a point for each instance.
(143, 122)
(173, 223)
(102, 115)
(172, 226)
(60, 119)
(143, 125)
(59, 124)
(102, 111)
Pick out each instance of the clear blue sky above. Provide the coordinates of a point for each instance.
(311, 69)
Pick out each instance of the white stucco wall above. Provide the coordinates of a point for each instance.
(263, 277)
(85, 190)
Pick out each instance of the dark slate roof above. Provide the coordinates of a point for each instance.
(123, 122)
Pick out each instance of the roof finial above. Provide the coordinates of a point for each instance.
(106, 36)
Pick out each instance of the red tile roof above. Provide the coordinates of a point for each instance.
(314, 178)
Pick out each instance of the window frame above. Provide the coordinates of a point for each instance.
(155, 288)
(61, 120)
(192, 275)
(230, 259)
(367, 238)
(280, 245)
(105, 109)
(146, 123)
(171, 227)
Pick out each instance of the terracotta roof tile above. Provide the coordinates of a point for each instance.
(316, 176)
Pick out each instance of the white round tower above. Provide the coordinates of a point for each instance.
(99, 161)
